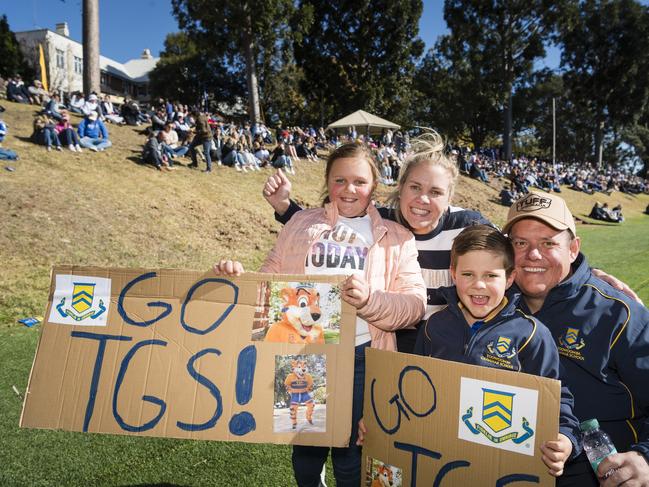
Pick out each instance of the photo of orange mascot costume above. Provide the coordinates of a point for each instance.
(300, 313)
(383, 477)
(299, 385)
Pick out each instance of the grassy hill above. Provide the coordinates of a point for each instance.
(107, 209)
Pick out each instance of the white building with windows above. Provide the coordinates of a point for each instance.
(64, 62)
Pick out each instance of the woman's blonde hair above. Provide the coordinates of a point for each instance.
(427, 149)
(351, 149)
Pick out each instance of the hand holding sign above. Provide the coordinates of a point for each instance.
(228, 268)
(356, 291)
(556, 453)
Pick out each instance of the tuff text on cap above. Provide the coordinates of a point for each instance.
(533, 202)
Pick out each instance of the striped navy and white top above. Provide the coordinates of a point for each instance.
(435, 250)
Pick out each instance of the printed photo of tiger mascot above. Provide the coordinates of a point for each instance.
(299, 384)
(383, 477)
(300, 315)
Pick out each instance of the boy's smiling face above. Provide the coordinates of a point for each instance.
(481, 282)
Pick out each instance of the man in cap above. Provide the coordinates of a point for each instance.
(602, 336)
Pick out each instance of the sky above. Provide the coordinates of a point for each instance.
(127, 27)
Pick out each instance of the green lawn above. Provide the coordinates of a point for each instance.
(622, 250)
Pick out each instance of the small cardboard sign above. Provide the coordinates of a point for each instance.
(436, 422)
(184, 354)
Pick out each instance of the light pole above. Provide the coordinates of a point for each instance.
(554, 132)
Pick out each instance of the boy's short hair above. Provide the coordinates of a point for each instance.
(483, 237)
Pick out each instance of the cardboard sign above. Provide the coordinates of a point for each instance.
(435, 422)
(185, 354)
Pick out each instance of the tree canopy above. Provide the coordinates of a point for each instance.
(12, 60)
(359, 55)
(313, 61)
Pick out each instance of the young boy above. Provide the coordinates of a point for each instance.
(482, 326)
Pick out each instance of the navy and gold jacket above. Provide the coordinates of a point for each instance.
(506, 339)
(603, 341)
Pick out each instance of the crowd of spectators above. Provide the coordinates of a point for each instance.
(523, 173)
(174, 130)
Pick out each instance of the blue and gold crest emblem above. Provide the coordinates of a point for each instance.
(570, 339)
(497, 411)
(502, 348)
(82, 298)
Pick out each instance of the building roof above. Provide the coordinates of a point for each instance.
(136, 70)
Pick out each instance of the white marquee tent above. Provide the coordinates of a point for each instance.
(363, 120)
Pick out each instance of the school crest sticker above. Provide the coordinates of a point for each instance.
(498, 415)
(80, 300)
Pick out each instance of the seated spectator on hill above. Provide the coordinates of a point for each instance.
(15, 91)
(616, 212)
(130, 112)
(280, 160)
(289, 147)
(66, 133)
(152, 152)
(228, 152)
(477, 171)
(38, 94)
(305, 148)
(77, 103)
(248, 159)
(92, 105)
(182, 127)
(52, 108)
(45, 132)
(261, 153)
(509, 195)
(93, 133)
(158, 119)
(109, 111)
(5, 154)
(517, 179)
(3, 131)
(170, 142)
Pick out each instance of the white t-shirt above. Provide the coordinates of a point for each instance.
(343, 251)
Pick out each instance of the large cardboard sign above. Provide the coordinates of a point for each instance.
(185, 354)
(435, 422)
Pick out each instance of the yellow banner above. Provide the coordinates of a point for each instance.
(41, 61)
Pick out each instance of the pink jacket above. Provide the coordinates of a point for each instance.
(397, 289)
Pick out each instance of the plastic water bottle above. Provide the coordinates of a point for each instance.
(597, 444)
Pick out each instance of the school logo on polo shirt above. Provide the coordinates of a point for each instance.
(570, 344)
(507, 418)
